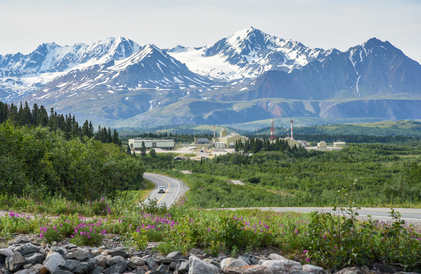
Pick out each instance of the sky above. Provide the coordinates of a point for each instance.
(341, 24)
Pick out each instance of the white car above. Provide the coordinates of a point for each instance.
(161, 189)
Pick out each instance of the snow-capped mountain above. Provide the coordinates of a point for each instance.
(247, 54)
(248, 72)
(148, 68)
(23, 74)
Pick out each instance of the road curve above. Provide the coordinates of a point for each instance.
(174, 188)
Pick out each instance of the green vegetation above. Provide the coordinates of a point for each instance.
(43, 171)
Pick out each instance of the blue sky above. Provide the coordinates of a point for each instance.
(341, 24)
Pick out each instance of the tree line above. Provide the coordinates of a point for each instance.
(38, 116)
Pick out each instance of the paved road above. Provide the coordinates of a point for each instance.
(411, 215)
(174, 188)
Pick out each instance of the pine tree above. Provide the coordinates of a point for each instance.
(143, 149)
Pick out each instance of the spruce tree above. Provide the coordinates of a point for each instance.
(143, 149)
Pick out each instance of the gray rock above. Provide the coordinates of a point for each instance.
(15, 261)
(312, 269)
(117, 268)
(197, 266)
(35, 258)
(151, 263)
(102, 260)
(184, 267)
(131, 265)
(225, 262)
(140, 271)
(23, 271)
(70, 246)
(137, 260)
(237, 263)
(253, 269)
(5, 251)
(350, 270)
(275, 257)
(167, 260)
(118, 252)
(175, 255)
(52, 261)
(114, 260)
(35, 269)
(61, 271)
(95, 252)
(29, 248)
(97, 270)
(69, 265)
(26, 266)
(218, 265)
(275, 266)
(60, 250)
(80, 255)
(85, 267)
(23, 241)
(173, 266)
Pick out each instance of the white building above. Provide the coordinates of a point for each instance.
(136, 144)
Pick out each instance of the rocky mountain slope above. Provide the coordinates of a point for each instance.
(247, 76)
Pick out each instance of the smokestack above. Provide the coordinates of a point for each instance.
(292, 136)
(214, 131)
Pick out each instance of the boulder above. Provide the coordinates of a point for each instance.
(35, 258)
(175, 255)
(29, 248)
(248, 269)
(69, 265)
(313, 269)
(197, 266)
(117, 268)
(237, 263)
(184, 267)
(52, 262)
(85, 267)
(114, 260)
(275, 266)
(15, 261)
(80, 255)
(151, 263)
(137, 260)
(350, 270)
(276, 257)
(117, 252)
(225, 262)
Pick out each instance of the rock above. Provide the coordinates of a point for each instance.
(175, 255)
(173, 266)
(151, 263)
(167, 260)
(95, 252)
(60, 250)
(312, 269)
(117, 252)
(61, 271)
(275, 257)
(289, 265)
(5, 251)
(226, 262)
(35, 258)
(139, 271)
(15, 261)
(197, 266)
(70, 246)
(237, 263)
(29, 248)
(23, 241)
(85, 267)
(114, 260)
(350, 270)
(137, 260)
(275, 266)
(35, 269)
(384, 268)
(218, 265)
(69, 265)
(184, 267)
(102, 260)
(117, 268)
(97, 270)
(249, 269)
(52, 262)
(23, 271)
(80, 255)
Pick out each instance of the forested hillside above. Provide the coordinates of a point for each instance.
(43, 156)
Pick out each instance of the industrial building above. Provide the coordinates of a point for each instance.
(228, 140)
(201, 141)
(136, 144)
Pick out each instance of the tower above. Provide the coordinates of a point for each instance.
(272, 132)
(292, 136)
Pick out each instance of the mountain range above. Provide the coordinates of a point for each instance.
(245, 77)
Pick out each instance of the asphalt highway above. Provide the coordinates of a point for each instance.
(174, 188)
